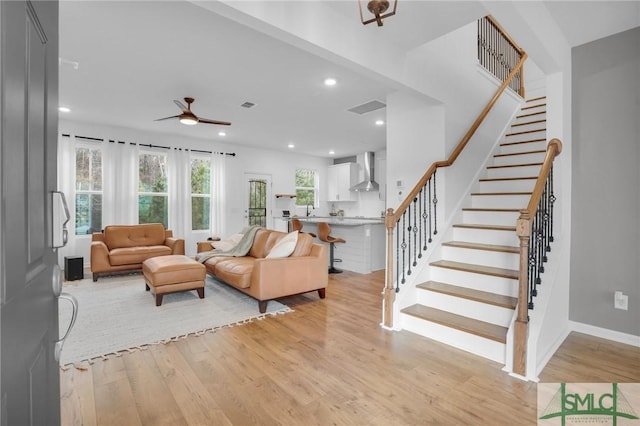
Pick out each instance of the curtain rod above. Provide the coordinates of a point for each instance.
(89, 138)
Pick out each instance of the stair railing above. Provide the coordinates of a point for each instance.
(534, 228)
(415, 220)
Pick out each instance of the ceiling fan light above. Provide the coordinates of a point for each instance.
(189, 121)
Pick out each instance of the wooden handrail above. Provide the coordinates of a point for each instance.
(554, 148)
(523, 230)
(461, 145)
(392, 217)
(504, 34)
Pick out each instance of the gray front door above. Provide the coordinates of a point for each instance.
(29, 385)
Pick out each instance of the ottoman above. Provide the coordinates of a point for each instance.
(170, 274)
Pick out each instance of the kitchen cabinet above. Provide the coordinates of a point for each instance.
(341, 177)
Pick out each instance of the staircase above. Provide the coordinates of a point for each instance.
(470, 297)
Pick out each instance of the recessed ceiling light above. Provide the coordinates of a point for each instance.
(222, 134)
(379, 122)
(291, 145)
(332, 152)
(330, 82)
(64, 109)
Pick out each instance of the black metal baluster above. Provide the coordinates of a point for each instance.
(409, 235)
(420, 223)
(403, 246)
(430, 215)
(424, 216)
(397, 228)
(552, 199)
(435, 205)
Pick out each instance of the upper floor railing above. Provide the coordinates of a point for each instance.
(498, 53)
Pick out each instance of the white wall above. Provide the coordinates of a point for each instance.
(279, 165)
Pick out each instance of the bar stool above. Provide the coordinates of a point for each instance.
(323, 235)
(296, 225)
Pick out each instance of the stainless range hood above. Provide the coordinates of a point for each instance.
(368, 184)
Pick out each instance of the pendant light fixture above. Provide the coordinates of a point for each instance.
(378, 9)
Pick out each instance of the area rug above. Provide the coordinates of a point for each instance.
(116, 315)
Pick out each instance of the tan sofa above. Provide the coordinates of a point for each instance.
(265, 278)
(122, 248)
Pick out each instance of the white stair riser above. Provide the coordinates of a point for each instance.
(477, 345)
(537, 157)
(490, 283)
(504, 172)
(540, 115)
(484, 236)
(519, 185)
(529, 146)
(466, 308)
(500, 201)
(490, 218)
(481, 257)
(524, 136)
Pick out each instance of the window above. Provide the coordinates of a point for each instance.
(200, 193)
(306, 187)
(88, 190)
(152, 188)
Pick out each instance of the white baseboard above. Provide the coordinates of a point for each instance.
(616, 336)
(550, 353)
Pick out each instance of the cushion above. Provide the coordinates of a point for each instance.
(285, 246)
(228, 244)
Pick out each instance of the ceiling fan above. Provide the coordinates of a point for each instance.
(189, 118)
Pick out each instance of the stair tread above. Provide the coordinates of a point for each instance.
(479, 246)
(468, 325)
(524, 132)
(508, 178)
(530, 114)
(477, 269)
(514, 165)
(511, 154)
(480, 209)
(536, 99)
(521, 142)
(487, 227)
(528, 122)
(489, 298)
(502, 193)
(534, 106)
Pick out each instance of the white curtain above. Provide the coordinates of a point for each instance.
(179, 177)
(218, 196)
(120, 184)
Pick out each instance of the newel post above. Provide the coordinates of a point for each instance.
(389, 293)
(523, 230)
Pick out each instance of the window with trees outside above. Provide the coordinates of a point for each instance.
(306, 187)
(152, 188)
(200, 192)
(88, 190)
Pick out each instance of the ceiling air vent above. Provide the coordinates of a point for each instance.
(247, 105)
(367, 107)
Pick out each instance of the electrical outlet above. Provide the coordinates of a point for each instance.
(621, 301)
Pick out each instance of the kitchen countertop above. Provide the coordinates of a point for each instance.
(341, 220)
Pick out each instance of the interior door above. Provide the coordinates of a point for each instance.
(29, 386)
(258, 200)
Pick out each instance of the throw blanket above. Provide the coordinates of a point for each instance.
(241, 249)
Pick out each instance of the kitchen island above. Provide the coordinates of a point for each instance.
(364, 250)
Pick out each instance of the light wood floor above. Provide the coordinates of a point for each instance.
(327, 363)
